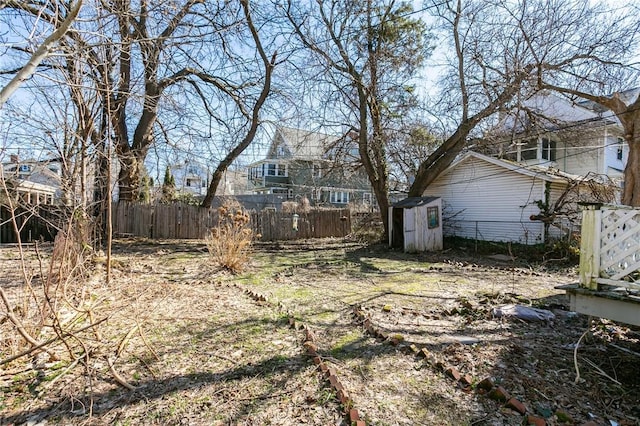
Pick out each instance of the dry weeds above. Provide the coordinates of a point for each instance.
(197, 350)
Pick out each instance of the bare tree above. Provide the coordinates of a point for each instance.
(489, 65)
(45, 48)
(368, 53)
(503, 52)
(250, 113)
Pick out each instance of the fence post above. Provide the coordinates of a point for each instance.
(590, 246)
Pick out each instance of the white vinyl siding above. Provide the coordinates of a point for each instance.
(484, 201)
(584, 158)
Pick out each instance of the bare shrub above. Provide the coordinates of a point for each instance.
(289, 206)
(229, 243)
(301, 206)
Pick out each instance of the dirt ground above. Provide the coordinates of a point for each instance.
(185, 343)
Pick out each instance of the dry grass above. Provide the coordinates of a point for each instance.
(198, 351)
(229, 243)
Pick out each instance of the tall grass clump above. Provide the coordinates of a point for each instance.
(229, 242)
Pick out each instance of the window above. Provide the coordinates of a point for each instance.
(339, 197)
(276, 169)
(188, 182)
(317, 171)
(620, 149)
(529, 150)
(366, 198)
(433, 218)
(548, 149)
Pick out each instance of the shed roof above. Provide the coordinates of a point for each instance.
(411, 202)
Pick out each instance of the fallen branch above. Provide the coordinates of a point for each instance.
(601, 372)
(50, 341)
(575, 354)
(121, 381)
(225, 358)
(629, 351)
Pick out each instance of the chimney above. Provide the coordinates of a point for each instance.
(14, 158)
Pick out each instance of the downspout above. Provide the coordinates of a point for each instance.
(604, 150)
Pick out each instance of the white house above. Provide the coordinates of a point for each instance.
(490, 199)
(576, 138)
(35, 181)
(190, 177)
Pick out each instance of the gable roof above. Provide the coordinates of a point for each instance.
(552, 112)
(303, 144)
(547, 174)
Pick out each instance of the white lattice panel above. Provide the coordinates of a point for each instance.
(620, 245)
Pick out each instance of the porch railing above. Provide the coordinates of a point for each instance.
(610, 246)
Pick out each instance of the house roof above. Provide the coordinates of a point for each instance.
(304, 144)
(545, 173)
(29, 186)
(552, 112)
(412, 202)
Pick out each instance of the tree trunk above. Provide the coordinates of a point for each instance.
(439, 160)
(631, 192)
(129, 176)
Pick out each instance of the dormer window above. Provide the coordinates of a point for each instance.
(542, 149)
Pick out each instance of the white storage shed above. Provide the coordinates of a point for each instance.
(415, 224)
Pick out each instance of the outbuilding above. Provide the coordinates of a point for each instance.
(415, 224)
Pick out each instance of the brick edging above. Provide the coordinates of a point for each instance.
(328, 373)
(485, 386)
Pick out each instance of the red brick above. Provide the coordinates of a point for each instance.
(516, 405)
(324, 367)
(466, 380)
(343, 397)
(453, 373)
(330, 372)
(361, 423)
(499, 394)
(485, 384)
(353, 415)
(311, 347)
(317, 360)
(536, 421)
(333, 380)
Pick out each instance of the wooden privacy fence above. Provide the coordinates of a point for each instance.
(182, 221)
(36, 223)
(610, 247)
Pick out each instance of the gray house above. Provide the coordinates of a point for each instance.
(320, 167)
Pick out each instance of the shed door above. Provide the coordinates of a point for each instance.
(397, 228)
(409, 229)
